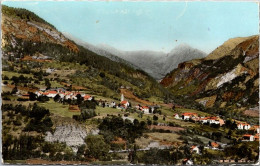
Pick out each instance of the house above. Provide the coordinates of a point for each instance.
(195, 149)
(124, 104)
(221, 122)
(214, 145)
(145, 109)
(39, 93)
(45, 93)
(248, 137)
(188, 115)
(87, 97)
(62, 95)
(187, 162)
(243, 126)
(176, 116)
(204, 120)
(112, 104)
(49, 70)
(212, 120)
(52, 93)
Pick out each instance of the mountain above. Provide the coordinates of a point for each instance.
(156, 64)
(227, 78)
(178, 55)
(99, 50)
(26, 36)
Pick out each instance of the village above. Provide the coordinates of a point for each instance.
(61, 94)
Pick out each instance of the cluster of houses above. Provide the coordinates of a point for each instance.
(63, 94)
(250, 137)
(218, 121)
(212, 145)
(194, 117)
(124, 104)
(248, 127)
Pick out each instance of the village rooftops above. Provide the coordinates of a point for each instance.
(243, 124)
(194, 146)
(53, 92)
(189, 114)
(247, 135)
(124, 102)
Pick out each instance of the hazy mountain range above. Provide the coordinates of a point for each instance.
(156, 64)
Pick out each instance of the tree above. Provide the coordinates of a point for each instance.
(102, 75)
(32, 96)
(57, 98)
(15, 90)
(173, 107)
(87, 113)
(47, 83)
(96, 147)
(149, 122)
(79, 99)
(155, 117)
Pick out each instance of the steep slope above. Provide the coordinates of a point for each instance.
(157, 64)
(231, 79)
(27, 35)
(24, 25)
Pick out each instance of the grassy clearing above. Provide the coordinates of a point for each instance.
(155, 100)
(107, 110)
(58, 108)
(56, 84)
(168, 137)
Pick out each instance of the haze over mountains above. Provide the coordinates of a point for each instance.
(156, 64)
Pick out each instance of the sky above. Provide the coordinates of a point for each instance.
(157, 26)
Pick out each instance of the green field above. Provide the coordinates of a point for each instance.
(58, 108)
(107, 110)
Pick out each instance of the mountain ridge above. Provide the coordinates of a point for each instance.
(157, 64)
(228, 79)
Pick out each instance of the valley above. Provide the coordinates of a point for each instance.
(64, 102)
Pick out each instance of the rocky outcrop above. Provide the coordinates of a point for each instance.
(13, 26)
(72, 135)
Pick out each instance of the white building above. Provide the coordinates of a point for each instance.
(195, 149)
(243, 126)
(145, 109)
(176, 116)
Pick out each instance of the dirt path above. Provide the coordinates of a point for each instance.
(128, 94)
